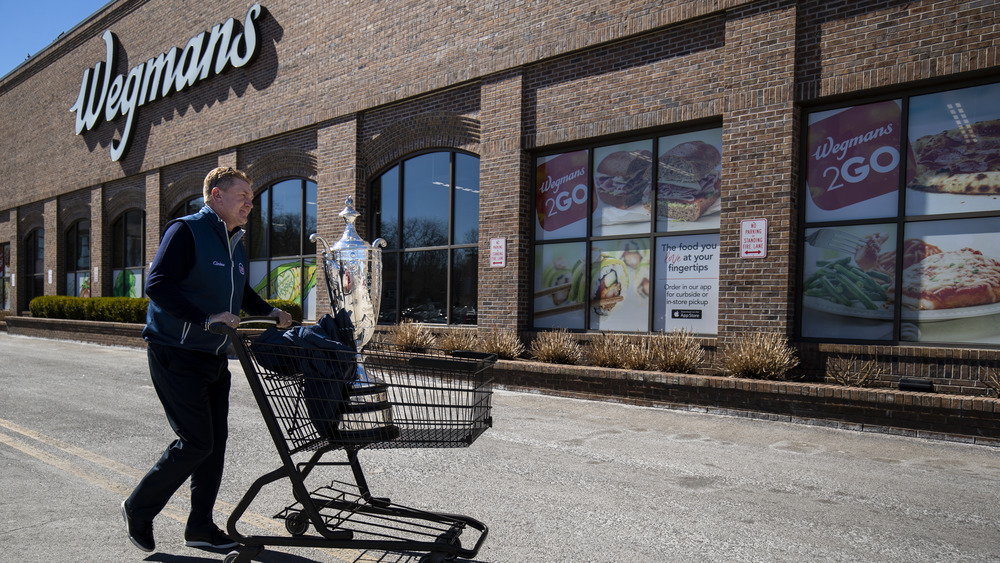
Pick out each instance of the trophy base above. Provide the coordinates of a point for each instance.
(367, 415)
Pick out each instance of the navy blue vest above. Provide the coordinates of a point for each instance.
(215, 283)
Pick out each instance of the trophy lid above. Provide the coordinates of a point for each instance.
(350, 239)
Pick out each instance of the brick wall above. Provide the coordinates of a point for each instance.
(337, 95)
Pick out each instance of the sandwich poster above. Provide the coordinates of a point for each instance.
(688, 181)
(954, 140)
(853, 162)
(623, 176)
(686, 287)
(561, 194)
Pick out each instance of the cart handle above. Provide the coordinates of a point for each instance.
(222, 328)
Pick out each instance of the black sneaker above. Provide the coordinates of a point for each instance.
(140, 533)
(213, 538)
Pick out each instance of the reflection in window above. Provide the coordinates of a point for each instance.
(282, 259)
(5, 276)
(427, 209)
(189, 207)
(34, 247)
(78, 259)
(127, 258)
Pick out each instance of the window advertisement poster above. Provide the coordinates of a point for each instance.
(848, 283)
(623, 176)
(951, 281)
(688, 188)
(954, 140)
(686, 287)
(853, 162)
(619, 285)
(561, 195)
(127, 283)
(560, 285)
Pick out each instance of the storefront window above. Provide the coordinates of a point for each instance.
(626, 235)
(282, 259)
(5, 276)
(189, 207)
(902, 230)
(427, 209)
(34, 249)
(127, 254)
(78, 259)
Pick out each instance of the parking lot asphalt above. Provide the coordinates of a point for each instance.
(555, 479)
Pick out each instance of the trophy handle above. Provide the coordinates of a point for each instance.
(315, 237)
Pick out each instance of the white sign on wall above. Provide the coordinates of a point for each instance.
(753, 238)
(498, 252)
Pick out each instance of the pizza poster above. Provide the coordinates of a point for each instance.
(954, 140)
(853, 162)
(560, 285)
(561, 195)
(618, 297)
(951, 282)
(622, 183)
(686, 286)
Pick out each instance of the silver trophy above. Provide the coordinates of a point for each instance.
(354, 281)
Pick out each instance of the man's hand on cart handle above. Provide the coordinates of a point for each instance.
(225, 318)
(284, 319)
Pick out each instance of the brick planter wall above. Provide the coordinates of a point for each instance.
(959, 418)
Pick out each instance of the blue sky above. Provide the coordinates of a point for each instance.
(28, 26)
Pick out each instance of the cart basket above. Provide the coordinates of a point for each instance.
(431, 399)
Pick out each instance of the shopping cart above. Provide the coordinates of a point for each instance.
(313, 405)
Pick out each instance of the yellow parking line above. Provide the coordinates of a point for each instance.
(269, 525)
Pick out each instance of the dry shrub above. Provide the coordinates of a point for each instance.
(847, 371)
(992, 381)
(457, 340)
(556, 347)
(411, 336)
(505, 343)
(676, 352)
(759, 355)
(618, 350)
(604, 350)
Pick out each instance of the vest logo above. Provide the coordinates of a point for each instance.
(106, 97)
(217, 263)
(242, 273)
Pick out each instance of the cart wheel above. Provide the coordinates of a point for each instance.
(243, 555)
(231, 557)
(296, 523)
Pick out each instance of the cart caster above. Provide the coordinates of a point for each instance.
(296, 523)
(243, 555)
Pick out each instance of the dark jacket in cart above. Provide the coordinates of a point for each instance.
(198, 277)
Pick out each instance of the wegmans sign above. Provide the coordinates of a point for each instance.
(106, 97)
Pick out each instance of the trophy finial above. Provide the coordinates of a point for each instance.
(349, 214)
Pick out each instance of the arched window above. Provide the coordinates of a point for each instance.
(282, 260)
(127, 254)
(78, 259)
(34, 250)
(427, 209)
(189, 207)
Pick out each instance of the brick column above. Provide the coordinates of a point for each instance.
(53, 249)
(504, 205)
(760, 133)
(99, 276)
(337, 162)
(154, 217)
